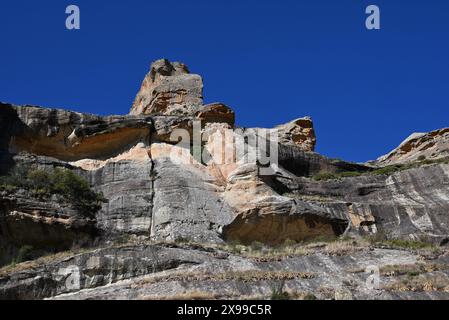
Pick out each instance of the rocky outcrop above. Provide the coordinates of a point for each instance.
(70, 136)
(216, 113)
(264, 215)
(419, 146)
(298, 132)
(178, 171)
(409, 204)
(169, 89)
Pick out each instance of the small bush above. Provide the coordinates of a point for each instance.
(350, 174)
(24, 254)
(381, 239)
(76, 190)
(408, 244)
(325, 176)
(44, 183)
(388, 170)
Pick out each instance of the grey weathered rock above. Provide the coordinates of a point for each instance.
(164, 271)
(159, 191)
(410, 204)
(187, 206)
(69, 135)
(128, 187)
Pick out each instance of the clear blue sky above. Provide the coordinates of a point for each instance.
(272, 61)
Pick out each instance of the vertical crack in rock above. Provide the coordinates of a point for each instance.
(152, 179)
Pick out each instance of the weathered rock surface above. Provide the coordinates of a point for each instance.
(216, 113)
(47, 226)
(186, 206)
(165, 271)
(128, 187)
(210, 189)
(299, 132)
(419, 146)
(410, 204)
(169, 89)
(67, 135)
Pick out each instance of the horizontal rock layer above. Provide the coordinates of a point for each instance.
(175, 170)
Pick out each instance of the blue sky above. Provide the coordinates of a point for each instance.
(271, 61)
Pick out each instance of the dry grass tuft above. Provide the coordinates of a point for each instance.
(341, 248)
(411, 269)
(241, 276)
(191, 295)
(423, 283)
(14, 268)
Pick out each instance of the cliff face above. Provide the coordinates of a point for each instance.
(158, 191)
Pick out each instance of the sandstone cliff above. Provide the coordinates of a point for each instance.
(185, 197)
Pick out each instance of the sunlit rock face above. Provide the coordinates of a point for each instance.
(419, 146)
(224, 196)
(207, 189)
(299, 133)
(169, 89)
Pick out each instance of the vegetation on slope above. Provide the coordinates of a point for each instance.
(387, 170)
(43, 183)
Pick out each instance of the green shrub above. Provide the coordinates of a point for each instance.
(381, 239)
(408, 244)
(76, 190)
(38, 179)
(24, 254)
(44, 183)
(16, 177)
(388, 170)
(350, 174)
(325, 176)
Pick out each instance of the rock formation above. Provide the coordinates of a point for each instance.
(419, 146)
(169, 89)
(299, 132)
(181, 184)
